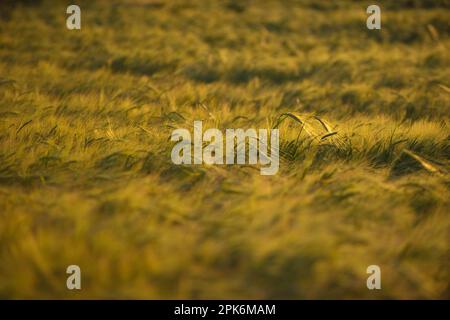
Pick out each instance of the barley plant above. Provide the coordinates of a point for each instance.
(86, 176)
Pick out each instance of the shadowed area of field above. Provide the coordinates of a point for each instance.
(86, 176)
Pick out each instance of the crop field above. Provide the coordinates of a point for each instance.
(86, 176)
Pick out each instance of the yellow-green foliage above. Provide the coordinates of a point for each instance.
(85, 170)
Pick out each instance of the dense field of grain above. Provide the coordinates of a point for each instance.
(86, 176)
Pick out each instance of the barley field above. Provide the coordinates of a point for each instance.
(86, 176)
